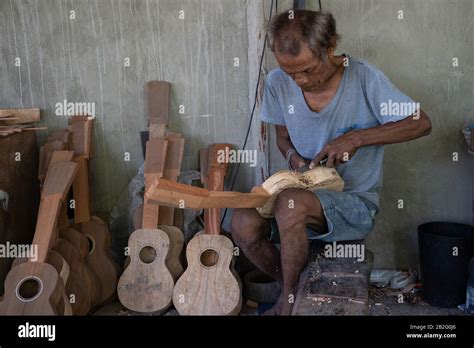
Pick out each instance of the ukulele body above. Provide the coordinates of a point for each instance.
(32, 288)
(176, 237)
(208, 288)
(146, 285)
(98, 257)
(172, 260)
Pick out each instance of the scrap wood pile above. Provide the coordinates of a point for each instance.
(73, 272)
(18, 120)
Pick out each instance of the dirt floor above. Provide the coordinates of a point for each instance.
(382, 301)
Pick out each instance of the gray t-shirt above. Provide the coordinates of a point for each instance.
(365, 98)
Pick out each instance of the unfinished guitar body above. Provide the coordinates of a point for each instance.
(80, 287)
(33, 288)
(176, 237)
(146, 285)
(172, 260)
(315, 179)
(208, 288)
(99, 259)
(62, 267)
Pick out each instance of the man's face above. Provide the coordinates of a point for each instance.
(306, 69)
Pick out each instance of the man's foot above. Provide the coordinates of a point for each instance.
(281, 307)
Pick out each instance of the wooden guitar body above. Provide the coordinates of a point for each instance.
(62, 267)
(314, 179)
(176, 237)
(35, 287)
(80, 285)
(208, 288)
(98, 257)
(172, 260)
(32, 288)
(146, 285)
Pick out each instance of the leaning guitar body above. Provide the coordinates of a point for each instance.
(146, 285)
(36, 287)
(209, 286)
(33, 288)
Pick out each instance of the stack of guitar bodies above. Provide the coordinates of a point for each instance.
(73, 272)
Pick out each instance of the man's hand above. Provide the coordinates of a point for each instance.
(338, 150)
(297, 161)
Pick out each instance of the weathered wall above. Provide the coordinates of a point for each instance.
(416, 54)
(82, 60)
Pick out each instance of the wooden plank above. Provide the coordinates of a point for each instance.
(165, 192)
(174, 156)
(155, 154)
(81, 135)
(20, 115)
(62, 134)
(157, 105)
(46, 152)
(61, 156)
(80, 191)
(154, 162)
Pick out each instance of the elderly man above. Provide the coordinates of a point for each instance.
(324, 107)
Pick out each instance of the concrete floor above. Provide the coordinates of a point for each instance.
(385, 302)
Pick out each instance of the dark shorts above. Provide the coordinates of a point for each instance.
(348, 215)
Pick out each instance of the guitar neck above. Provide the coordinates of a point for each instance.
(154, 163)
(56, 186)
(217, 162)
(212, 216)
(46, 226)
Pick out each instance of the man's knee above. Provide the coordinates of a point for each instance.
(247, 227)
(296, 206)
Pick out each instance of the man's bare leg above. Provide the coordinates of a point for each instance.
(250, 231)
(292, 219)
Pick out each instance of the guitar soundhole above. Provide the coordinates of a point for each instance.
(29, 289)
(147, 254)
(209, 258)
(91, 244)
